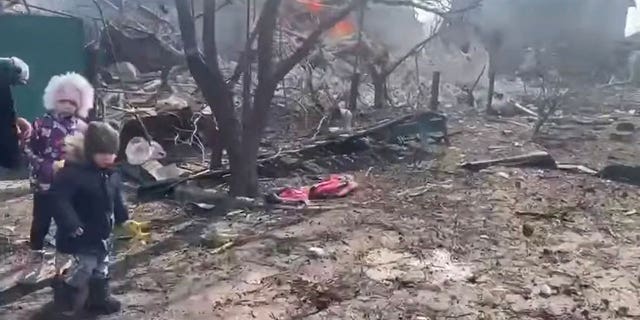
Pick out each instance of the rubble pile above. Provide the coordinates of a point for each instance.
(145, 88)
(146, 78)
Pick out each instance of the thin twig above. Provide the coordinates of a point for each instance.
(419, 46)
(193, 136)
(475, 83)
(60, 13)
(108, 34)
(124, 91)
(324, 118)
(26, 6)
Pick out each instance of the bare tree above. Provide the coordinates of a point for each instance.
(550, 98)
(241, 138)
(241, 134)
(552, 90)
(380, 68)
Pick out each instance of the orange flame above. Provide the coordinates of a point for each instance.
(342, 29)
(314, 6)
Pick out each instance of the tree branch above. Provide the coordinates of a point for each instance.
(187, 28)
(307, 45)
(442, 12)
(245, 56)
(257, 120)
(211, 83)
(473, 5)
(202, 73)
(411, 3)
(266, 31)
(411, 52)
(209, 34)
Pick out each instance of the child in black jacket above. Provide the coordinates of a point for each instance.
(87, 201)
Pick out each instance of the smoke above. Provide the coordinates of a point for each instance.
(396, 27)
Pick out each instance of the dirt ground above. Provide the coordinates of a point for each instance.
(426, 241)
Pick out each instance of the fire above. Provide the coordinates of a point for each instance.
(314, 6)
(342, 29)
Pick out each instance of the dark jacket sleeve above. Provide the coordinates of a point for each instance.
(120, 211)
(62, 191)
(9, 146)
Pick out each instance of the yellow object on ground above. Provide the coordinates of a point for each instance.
(136, 230)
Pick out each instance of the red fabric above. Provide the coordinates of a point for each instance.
(335, 186)
(294, 195)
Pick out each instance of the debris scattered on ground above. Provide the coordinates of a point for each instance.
(539, 159)
(622, 173)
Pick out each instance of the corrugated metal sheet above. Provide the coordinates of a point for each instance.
(50, 45)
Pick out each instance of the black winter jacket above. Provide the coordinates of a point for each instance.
(83, 195)
(10, 154)
(9, 147)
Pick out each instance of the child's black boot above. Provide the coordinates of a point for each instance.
(64, 295)
(100, 300)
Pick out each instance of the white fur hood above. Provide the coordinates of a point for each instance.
(70, 82)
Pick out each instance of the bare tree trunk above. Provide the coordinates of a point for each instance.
(492, 81)
(251, 136)
(310, 89)
(379, 87)
(379, 98)
(354, 91)
(243, 142)
(355, 78)
(255, 120)
(494, 43)
(386, 90)
(379, 78)
(215, 144)
(210, 80)
(269, 74)
(435, 91)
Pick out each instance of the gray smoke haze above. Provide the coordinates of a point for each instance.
(582, 32)
(570, 24)
(396, 27)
